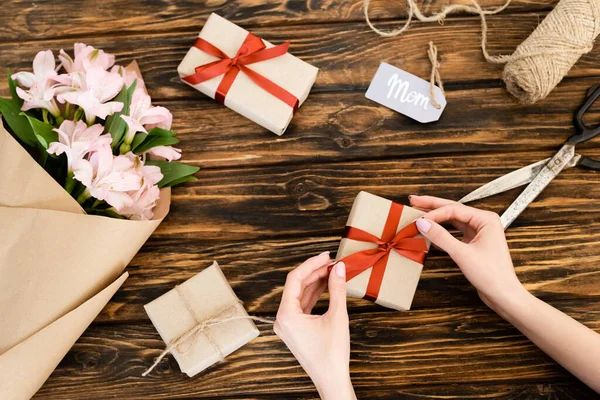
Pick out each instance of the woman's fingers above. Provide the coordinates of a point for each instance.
(297, 280)
(428, 202)
(312, 295)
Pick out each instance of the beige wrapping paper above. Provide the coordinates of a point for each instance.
(401, 277)
(58, 268)
(245, 97)
(206, 295)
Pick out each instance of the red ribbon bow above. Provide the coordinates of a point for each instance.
(251, 51)
(403, 242)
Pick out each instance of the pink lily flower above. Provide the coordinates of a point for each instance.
(76, 140)
(86, 57)
(145, 198)
(40, 93)
(143, 115)
(110, 178)
(169, 153)
(99, 87)
(43, 69)
(129, 76)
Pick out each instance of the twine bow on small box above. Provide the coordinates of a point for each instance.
(202, 327)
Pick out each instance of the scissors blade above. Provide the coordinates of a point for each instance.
(538, 184)
(512, 180)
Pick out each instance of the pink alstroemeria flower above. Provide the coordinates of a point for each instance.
(144, 199)
(129, 76)
(40, 93)
(142, 115)
(76, 140)
(169, 153)
(110, 178)
(86, 57)
(99, 87)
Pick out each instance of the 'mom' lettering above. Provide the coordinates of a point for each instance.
(402, 92)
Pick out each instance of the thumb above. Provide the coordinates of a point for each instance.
(439, 236)
(337, 289)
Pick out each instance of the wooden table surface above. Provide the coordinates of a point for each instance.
(264, 203)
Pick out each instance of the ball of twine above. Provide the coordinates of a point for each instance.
(544, 58)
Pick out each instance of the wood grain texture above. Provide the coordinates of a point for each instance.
(45, 18)
(348, 126)
(348, 54)
(389, 349)
(315, 199)
(263, 204)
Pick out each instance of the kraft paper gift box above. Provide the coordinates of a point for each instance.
(205, 299)
(59, 267)
(244, 95)
(383, 251)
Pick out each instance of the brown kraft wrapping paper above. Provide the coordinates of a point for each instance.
(59, 267)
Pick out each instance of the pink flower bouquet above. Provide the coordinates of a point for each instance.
(86, 165)
(91, 125)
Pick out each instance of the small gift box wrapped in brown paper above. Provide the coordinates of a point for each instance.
(383, 251)
(202, 321)
(262, 82)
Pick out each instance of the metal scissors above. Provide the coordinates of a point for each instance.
(541, 173)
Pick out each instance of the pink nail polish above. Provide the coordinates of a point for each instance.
(340, 269)
(423, 225)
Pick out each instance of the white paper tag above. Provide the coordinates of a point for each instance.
(405, 93)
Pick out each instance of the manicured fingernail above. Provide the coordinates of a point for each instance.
(423, 225)
(324, 253)
(340, 269)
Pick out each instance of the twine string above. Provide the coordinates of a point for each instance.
(435, 75)
(543, 59)
(201, 327)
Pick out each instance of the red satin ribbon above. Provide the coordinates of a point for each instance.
(251, 51)
(403, 242)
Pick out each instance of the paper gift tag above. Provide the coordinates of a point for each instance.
(405, 93)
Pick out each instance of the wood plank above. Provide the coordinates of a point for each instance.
(554, 262)
(348, 54)
(573, 390)
(315, 199)
(389, 350)
(46, 18)
(348, 126)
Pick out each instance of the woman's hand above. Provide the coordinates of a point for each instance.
(483, 254)
(321, 343)
(484, 258)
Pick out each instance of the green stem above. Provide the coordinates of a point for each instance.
(70, 182)
(67, 110)
(78, 114)
(83, 197)
(96, 203)
(45, 115)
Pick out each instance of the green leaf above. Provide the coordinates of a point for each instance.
(174, 172)
(43, 132)
(162, 132)
(155, 137)
(115, 125)
(138, 139)
(18, 123)
(12, 87)
(154, 141)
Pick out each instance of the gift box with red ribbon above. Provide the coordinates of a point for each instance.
(258, 80)
(383, 251)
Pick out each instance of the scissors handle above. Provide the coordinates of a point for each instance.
(590, 163)
(584, 132)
